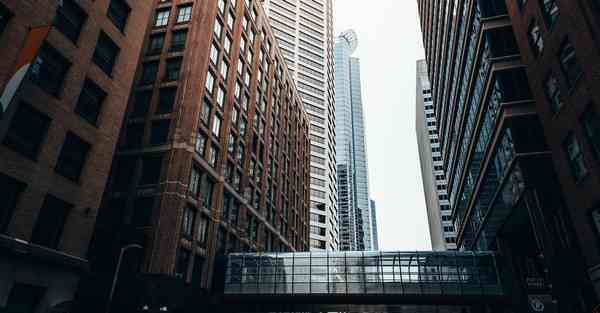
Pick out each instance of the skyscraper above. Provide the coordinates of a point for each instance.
(356, 231)
(304, 31)
(505, 192)
(441, 228)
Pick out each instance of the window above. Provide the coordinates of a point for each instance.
(200, 143)
(206, 109)
(227, 44)
(49, 69)
(550, 11)
(69, 19)
(106, 53)
(213, 155)
(118, 12)
(160, 132)
(72, 157)
(220, 96)
(156, 44)
(207, 193)
(214, 54)
(141, 103)
(591, 127)
(575, 157)
(134, 135)
(568, 63)
(184, 14)
(224, 69)
(11, 190)
(216, 127)
(183, 261)
(27, 131)
(24, 298)
(5, 15)
(178, 40)
(189, 217)
(218, 29)
(202, 229)
(172, 69)
(50, 222)
(230, 20)
(162, 18)
(552, 91)
(149, 71)
(166, 100)
(142, 212)
(195, 177)
(536, 41)
(90, 101)
(210, 82)
(221, 6)
(151, 168)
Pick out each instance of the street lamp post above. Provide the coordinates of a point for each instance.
(116, 275)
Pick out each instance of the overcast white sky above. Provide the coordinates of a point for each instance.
(389, 43)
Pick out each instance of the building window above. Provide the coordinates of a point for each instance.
(536, 41)
(552, 91)
(591, 127)
(220, 96)
(202, 229)
(550, 11)
(24, 298)
(70, 19)
(160, 132)
(106, 53)
(172, 69)
(218, 29)
(50, 222)
(205, 114)
(214, 54)
(166, 100)
(134, 135)
(216, 127)
(156, 44)
(178, 40)
(142, 212)
(141, 103)
(5, 16)
(27, 131)
(575, 157)
(90, 101)
(213, 155)
(151, 168)
(184, 14)
(200, 143)
(183, 261)
(162, 18)
(189, 217)
(149, 71)
(568, 63)
(210, 82)
(49, 69)
(224, 69)
(11, 189)
(195, 177)
(227, 44)
(207, 193)
(72, 157)
(118, 12)
(521, 3)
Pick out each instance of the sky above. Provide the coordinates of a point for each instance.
(389, 43)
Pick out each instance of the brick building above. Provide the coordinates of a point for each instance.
(213, 157)
(559, 42)
(57, 139)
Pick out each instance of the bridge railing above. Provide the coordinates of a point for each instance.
(392, 273)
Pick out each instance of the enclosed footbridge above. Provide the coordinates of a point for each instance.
(362, 281)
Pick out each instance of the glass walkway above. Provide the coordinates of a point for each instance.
(363, 278)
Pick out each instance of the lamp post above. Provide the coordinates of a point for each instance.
(116, 275)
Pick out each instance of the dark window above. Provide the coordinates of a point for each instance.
(568, 63)
(183, 261)
(50, 222)
(27, 131)
(134, 135)
(141, 103)
(72, 157)
(172, 69)
(160, 132)
(69, 19)
(11, 189)
(197, 270)
(142, 212)
(178, 40)
(536, 41)
(550, 11)
(151, 168)
(90, 101)
(5, 16)
(575, 157)
(123, 173)
(106, 53)
(552, 91)
(207, 193)
(149, 73)
(24, 298)
(156, 44)
(49, 69)
(118, 12)
(166, 100)
(591, 126)
(195, 179)
(189, 217)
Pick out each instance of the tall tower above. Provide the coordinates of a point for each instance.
(353, 184)
(441, 228)
(304, 30)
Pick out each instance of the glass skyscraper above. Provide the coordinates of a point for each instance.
(356, 232)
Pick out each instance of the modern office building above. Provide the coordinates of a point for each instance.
(374, 226)
(356, 231)
(213, 158)
(559, 43)
(441, 228)
(505, 193)
(65, 74)
(304, 31)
